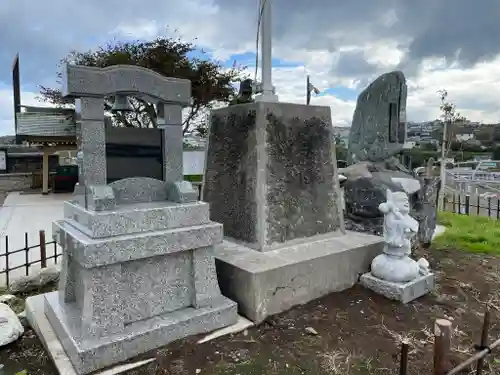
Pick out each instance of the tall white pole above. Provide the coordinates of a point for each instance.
(442, 168)
(266, 54)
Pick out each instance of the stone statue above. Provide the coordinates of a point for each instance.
(394, 264)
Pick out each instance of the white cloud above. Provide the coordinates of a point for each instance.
(338, 43)
(475, 91)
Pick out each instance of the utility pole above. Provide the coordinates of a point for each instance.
(265, 15)
(442, 169)
(308, 90)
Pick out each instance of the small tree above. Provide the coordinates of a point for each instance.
(210, 82)
(451, 119)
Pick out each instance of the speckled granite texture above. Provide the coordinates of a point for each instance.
(138, 269)
(403, 292)
(270, 175)
(378, 128)
(127, 293)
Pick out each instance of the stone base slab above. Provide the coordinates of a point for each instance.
(404, 292)
(137, 217)
(267, 283)
(88, 355)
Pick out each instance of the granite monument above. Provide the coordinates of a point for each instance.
(393, 273)
(271, 179)
(138, 268)
(378, 134)
(378, 129)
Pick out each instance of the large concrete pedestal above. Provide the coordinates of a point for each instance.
(135, 277)
(271, 181)
(267, 283)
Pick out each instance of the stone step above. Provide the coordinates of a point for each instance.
(96, 252)
(137, 218)
(267, 283)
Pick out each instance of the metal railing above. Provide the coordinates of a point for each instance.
(44, 248)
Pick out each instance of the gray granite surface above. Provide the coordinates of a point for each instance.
(403, 292)
(85, 81)
(139, 189)
(91, 252)
(138, 269)
(378, 128)
(90, 354)
(136, 217)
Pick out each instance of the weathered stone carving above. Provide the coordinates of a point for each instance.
(393, 273)
(378, 133)
(399, 228)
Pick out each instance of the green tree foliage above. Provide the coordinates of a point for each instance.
(210, 82)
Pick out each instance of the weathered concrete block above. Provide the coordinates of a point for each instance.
(404, 292)
(270, 173)
(267, 283)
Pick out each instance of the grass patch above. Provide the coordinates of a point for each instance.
(474, 234)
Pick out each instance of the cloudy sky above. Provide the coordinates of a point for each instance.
(450, 44)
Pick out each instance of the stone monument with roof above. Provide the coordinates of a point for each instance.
(138, 270)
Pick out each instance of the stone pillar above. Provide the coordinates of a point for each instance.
(92, 140)
(170, 121)
(45, 172)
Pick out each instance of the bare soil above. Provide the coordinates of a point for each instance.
(358, 332)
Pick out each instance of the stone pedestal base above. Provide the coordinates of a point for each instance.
(88, 355)
(136, 277)
(404, 292)
(267, 283)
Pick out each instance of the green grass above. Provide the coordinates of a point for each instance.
(474, 234)
(193, 177)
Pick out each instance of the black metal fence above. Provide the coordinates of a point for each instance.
(472, 205)
(43, 248)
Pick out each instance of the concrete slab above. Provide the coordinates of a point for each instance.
(403, 292)
(267, 283)
(91, 353)
(38, 321)
(27, 213)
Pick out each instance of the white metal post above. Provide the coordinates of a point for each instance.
(266, 54)
(442, 170)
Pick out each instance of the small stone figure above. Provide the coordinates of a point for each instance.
(394, 264)
(393, 273)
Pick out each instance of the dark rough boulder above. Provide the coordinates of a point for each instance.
(365, 188)
(363, 195)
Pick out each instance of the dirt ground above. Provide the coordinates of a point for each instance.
(358, 332)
